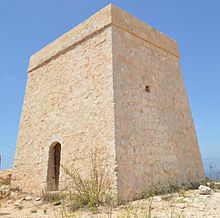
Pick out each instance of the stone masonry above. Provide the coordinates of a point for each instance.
(112, 85)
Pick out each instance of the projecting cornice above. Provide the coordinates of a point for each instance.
(108, 16)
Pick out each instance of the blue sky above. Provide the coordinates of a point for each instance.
(26, 26)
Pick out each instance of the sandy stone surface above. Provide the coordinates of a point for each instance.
(181, 205)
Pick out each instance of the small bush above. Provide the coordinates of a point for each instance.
(144, 194)
(91, 191)
(49, 196)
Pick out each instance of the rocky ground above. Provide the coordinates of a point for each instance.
(204, 202)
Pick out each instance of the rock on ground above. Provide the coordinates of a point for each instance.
(204, 190)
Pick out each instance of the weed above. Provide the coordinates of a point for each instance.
(50, 196)
(147, 194)
(182, 192)
(139, 210)
(91, 191)
(174, 214)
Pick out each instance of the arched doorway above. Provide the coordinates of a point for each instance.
(53, 170)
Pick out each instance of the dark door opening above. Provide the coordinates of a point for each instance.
(53, 171)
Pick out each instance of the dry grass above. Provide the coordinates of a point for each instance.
(48, 196)
(92, 191)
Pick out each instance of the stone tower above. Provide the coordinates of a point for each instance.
(112, 84)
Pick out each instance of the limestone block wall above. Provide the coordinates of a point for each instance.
(156, 143)
(68, 100)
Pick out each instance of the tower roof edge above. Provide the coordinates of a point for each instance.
(109, 15)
